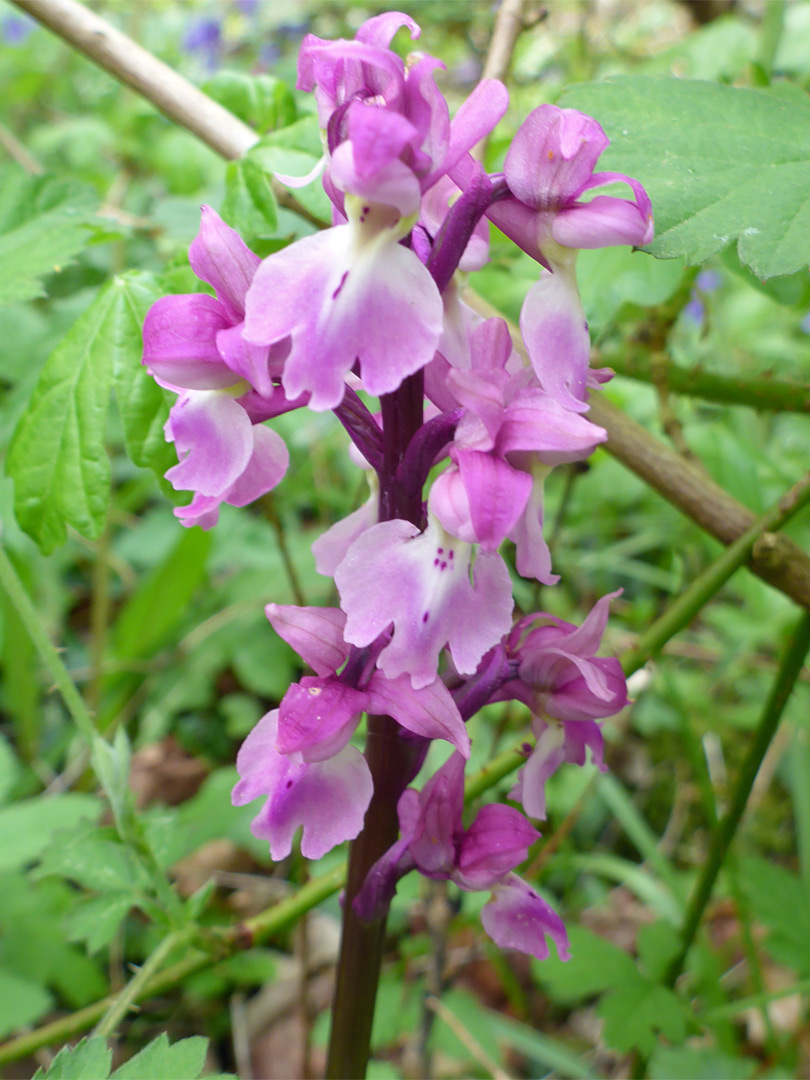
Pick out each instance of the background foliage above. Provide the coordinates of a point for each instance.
(120, 851)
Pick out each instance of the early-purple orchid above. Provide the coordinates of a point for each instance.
(470, 425)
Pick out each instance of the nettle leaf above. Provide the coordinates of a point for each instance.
(159, 1060)
(142, 405)
(249, 205)
(88, 1060)
(720, 163)
(44, 222)
(57, 457)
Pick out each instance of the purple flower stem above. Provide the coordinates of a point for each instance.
(390, 761)
(361, 428)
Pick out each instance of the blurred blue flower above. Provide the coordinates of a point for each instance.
(695, 310)
(709, 280)
(204, 37)
(248, 7)
(270, 53)
(16, 28)
(805, 323)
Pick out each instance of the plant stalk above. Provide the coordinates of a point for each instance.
(777, 699)
(390, 760)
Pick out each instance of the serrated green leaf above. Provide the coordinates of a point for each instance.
(95, 921)
(90, 858)
(21, 1002)
(28, 826)
(720, 163)
(635, 1011)
(595, 965)
(249, 205)
(43, 224)
(58, 458)
(88, 1060)
(142, 405)
(159, 1061)
(781, 901)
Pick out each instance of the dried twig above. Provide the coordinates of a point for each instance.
(175, 96)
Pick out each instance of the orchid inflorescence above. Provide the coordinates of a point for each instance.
(373, 305)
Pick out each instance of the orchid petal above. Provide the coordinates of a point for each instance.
(518, 918)
(219, 255)
(316, 634)
(429, 711)
(214, 441)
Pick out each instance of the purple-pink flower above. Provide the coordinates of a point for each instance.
(193, 345)
(434, 842)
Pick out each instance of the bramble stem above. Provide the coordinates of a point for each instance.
(777, 699)
(767, 395)
(124, 1001)
(682, 610)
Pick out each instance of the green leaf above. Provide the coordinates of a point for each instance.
(111, 762)
(43, 224)
(262, 101)
(88, 1060)
(658, 943)
(21, 1002)
(142, 405)
(152, 612)
(28, 826)
(90, 857)
(294, 151)
(95, 921)
(249, 205)
(711, 158)
(160, 1061)
(609, 278)
(702, 1064)
(636, 1011)
(58, 458)
(540, 1049)
(781, 901)
(9, 768)
(595, 965)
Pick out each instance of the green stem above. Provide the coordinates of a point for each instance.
(242, 936)
(268, 504)
(724, 834)
(21, 601)
(766, 395)
(124, 1001)
(681, 612)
